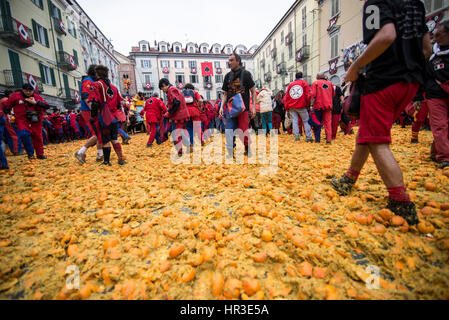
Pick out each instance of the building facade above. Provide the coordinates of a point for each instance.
(292, 46)
(127, 74)
(96, 48)
(39, 45)
(341, 32)
(182, 64)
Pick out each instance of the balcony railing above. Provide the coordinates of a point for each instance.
(148, 87)
(16, 80)
(303, 53)
(208, 85)
(267, 77)
(66, 61)
(59, 26)
(70, 98)
(15, 32)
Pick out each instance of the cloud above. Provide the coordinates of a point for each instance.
(211, 21)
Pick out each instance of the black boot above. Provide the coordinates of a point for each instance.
(107, 156)
(343, 185)
(404, 210)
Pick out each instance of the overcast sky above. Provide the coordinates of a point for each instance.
(126, 22)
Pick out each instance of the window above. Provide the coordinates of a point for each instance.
(217, 64)
(177, 49)
(38, 3)
(148, 77)
(191, 50)
(204, 49)
(207, 79)
(282, 37)
(335, 8)
(165, 64)
(179, 64)
(180, 78)
(163, 48)
(192, 64)
(40, 34)
(47, 75)
(146, 64)
(194, 78)
(304, 39)
(304, 69)
(219, 78)
(144, 47)
(290, 51)
(433, 5)
(54, 10)
(208, 96)
(304, 18)
(217, 50)
(71, 28)
(229, 50)
(334, 46)
(290, 27)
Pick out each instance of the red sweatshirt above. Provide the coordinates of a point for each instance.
(297, 96)
(323, 92)
(154, 110)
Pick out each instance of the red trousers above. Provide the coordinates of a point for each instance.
(95, 129)
(276, 120)
(439, 123)
(335, 122)
(35, 129)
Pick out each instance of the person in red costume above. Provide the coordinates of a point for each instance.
(154, 112)
(197, 113)
(177, 111)
(29, 109)
(91, 122)
(10, 133)
(105, 102)
(322, 96)
(395, 68)
(56, 120)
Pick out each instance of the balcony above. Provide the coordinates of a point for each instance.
(15, 32)
(15, 80)
(193, 70)
(281, 68)
(148, 87)
(303, 53)
(208, 85)
(59, 26)
(66, 61)
(274, 53)
(70, 98)
(289, 39)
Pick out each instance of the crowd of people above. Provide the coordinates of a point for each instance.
(398, 77)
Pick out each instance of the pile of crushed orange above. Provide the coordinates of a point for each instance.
(155, 230)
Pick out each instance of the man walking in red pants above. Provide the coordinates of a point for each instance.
(395, 63)
(322, 95)
(29, 110)
(437, 94)
(154, 112)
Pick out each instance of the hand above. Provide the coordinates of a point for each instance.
(253, 113)
(221, 112)
(352, 75)
(167, 115)
(31, 100)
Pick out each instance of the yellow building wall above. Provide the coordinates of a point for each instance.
(24, 11)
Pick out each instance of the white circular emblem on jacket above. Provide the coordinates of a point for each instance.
(296, 92)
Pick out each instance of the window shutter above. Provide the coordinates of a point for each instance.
(41, 68)
(47, 43)
(41, 4)
(35, 32)
(74, 30)
(52, 74)
(75, 56)
(59, 13)
(50, 8)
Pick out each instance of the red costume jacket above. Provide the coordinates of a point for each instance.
(182, 113)
(154, 110)
(17, 101)
(108, 99)
(297, 96)
(323, 92)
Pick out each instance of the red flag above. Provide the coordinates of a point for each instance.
(148, 86)
(72, 61)
(32, 80)
(207, 69)
(23, 32)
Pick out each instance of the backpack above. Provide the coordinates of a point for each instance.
(189, 96)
